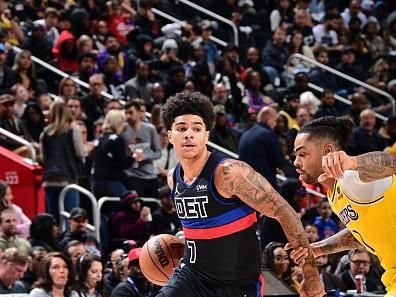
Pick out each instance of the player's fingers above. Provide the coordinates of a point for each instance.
(337, 161)
(287, 246)
(323, 177)
(325, 165)
(331, 164)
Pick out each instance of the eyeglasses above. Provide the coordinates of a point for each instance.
(358, 263)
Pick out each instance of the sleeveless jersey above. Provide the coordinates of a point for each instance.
(221, 243)
(373, 224)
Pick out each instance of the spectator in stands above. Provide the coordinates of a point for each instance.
(276, 259)
(165, 219)
(38, 44)
(111, 157)
(133, 221)
(157, 94)
(11, 123)
(359, 102)
(86, 67)
(354, 10)
(211, 50)
(44, 232)
(65, 52)
(21, 97)
(262, 138)
(94, 102)
(85, 45)
(143, 140)
(289, 111)
(254, 97)
(90, 276)
(6, 197)
(49, 22)
(156, 116)
(325, 224)
(134, 284)
(113, 48)
(8, 235)
(329, 105)
(114, 274)
(303, 23)
(24, 67)
(274, 56)
(319, 76)
(222, 96)
(56, 277)
(112, 78)
(74, 249)
(312, 233)
(253, 62)
(365, 137)
(330, 281)
(62, 152)
(168, 158)
(139, 86)
(67, 88)
(349, 67)
(325, 35)
(296, 46)
(78, 230)
(373, 40)
(221, 133)
(201, 78)
(388, 130)
(36, 254)
(45, 101)
(145, 20)
(74, 106)
(282, 15)
(100, 32)
(359, 264)
(8, 77)
(14, 263)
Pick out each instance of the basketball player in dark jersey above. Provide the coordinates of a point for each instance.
(216, 199)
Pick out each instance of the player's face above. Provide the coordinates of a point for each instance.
(188, 136)
(308, 158)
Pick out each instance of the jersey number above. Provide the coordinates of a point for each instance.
(193, 250)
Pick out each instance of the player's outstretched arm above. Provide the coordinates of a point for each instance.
(236, 178)
(371, 166)
(342, 241)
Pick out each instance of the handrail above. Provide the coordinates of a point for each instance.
(173, 19)
(278, 176)
(63, 213)
(344, 100)
(102, 200)
(61, 73)
(20, 140)
(344, 76)
(215, 16)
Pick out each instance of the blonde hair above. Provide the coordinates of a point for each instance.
(114, 118)
(60, 119)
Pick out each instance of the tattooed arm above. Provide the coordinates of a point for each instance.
(371, 166)
(236, 178)
(342, 241)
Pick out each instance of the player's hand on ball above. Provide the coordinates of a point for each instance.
(334, 165)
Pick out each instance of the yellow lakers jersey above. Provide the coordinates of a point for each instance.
(373, 224)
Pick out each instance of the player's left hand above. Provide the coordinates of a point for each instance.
(334, 165)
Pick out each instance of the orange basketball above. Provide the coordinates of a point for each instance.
(159, 256)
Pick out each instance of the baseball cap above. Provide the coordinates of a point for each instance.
(169, 44)
(78, 212)
(134, 254)
(6, 98)
(129, 197)
(219, 109)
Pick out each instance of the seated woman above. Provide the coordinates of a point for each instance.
(6, 197)
(44, 232)
(90, 276)
(56, 277)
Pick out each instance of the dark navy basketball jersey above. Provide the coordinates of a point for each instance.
(221, 242)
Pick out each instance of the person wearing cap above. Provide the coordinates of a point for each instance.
(78, 230)
(350, 67)
(11, 123)
(135, 284)
(221, 133)
(133, 221)
(165, 219)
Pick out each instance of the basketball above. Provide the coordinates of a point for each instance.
(159, 256)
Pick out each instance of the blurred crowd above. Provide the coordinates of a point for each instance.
(118, 147)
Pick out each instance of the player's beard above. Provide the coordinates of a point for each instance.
(312, 178)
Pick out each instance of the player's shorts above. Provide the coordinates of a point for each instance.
(185, 283)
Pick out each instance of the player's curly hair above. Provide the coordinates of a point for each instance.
(337, 130)
(188, 103)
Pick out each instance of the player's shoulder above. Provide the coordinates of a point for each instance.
(231, 167)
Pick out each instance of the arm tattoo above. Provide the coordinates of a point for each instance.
(375, 165)
(239, 179)
(342, 241)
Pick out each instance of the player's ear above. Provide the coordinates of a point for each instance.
(207, 136)
(328, 148)
(170, 137)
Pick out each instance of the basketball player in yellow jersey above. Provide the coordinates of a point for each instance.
(362, 192)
